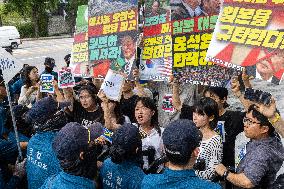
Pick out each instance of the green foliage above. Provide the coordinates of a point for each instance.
(35, 11)
(26, 30)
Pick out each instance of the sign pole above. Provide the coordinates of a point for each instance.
(14, 123)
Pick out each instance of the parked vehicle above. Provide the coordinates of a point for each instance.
(9, 37)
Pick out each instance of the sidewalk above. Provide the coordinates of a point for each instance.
(44, 38)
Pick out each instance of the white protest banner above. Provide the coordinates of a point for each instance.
(9, 65)
(46, 83)
(112, 86)
(65, 78)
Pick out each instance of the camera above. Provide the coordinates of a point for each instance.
(257, 96)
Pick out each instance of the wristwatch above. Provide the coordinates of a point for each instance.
(225, 175)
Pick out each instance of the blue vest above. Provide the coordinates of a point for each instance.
(125, 175)
(177, 179)
(66, 181)
(41, 160)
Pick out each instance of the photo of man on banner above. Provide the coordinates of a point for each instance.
(127, 62)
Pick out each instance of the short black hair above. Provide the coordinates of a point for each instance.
(264, 121)
(209, 107)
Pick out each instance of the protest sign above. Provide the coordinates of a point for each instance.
(46, 83)
(156, 59)
(65, 78)
(250, 34)
(191, 36)
(9, 65)
(112, 36)
(167, 105)
(80, 53)
(112, 85)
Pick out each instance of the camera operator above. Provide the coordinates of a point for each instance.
(123, 169)
(181, 139)
(261, 158)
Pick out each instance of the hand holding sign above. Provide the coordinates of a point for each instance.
(66, 78)
(47, 83)
(112, 85)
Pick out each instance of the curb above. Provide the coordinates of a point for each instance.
(44, 38)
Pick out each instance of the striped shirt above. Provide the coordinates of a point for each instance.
(211, 150)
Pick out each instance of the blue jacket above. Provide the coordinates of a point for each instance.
(41, 159)
(177, 179)
(66, 181)
(125, 175)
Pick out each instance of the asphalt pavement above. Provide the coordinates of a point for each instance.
(34, 52)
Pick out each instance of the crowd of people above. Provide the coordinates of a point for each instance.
(78, 138)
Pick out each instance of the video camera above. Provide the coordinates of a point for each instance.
(257, 96)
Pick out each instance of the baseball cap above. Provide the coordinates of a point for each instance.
(180, 138)
(127, 137)
(43, 109)
(74, 138)
(49, 62)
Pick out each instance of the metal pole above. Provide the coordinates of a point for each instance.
(14, 123)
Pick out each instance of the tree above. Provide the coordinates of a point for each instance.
(71, 10)
(36, 10)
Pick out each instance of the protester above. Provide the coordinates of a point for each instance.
(3, 113)
(205, 116)
(75, 149)
(124, 164)
(262, 157)
(49, 64)
(41, 160)
(67, 59)
(88, 110)
(146, 115)
(30, 91)
(113, 117)
(181, 139)
(128, 99)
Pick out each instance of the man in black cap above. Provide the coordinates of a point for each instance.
(75, 149)
(49, 64)
(125, 160)
(46, 121)
(181, 139)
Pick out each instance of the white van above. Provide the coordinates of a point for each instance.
(9, 37)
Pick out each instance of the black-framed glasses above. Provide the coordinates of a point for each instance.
(249, 121)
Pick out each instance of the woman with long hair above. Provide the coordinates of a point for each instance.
(146, 115)
(30, 91)
(205, 116)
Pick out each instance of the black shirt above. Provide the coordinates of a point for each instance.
(85, 118)
(128, 107)
(233, 125)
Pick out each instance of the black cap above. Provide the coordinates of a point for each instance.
(74, 138)
(180, 138)
(49, 62)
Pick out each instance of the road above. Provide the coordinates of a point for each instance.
(34, 52)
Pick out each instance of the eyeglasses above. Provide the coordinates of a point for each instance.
(249, 121)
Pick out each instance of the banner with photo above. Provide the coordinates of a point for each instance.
(113, 31)
(192, 29)
(250, 34)
(80, 55)
(156, 58)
